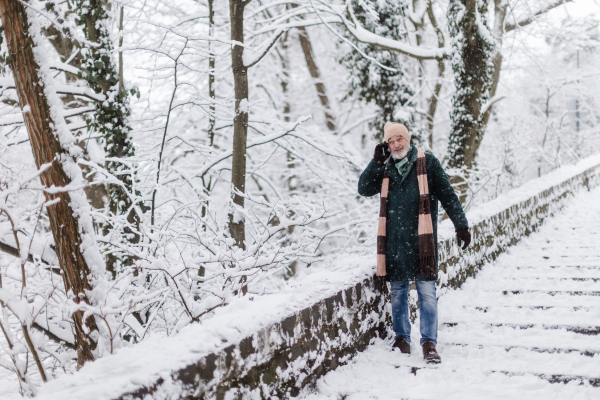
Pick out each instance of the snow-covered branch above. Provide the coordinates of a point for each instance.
(533, 16)
(487, 107)
(9, 83)
(364, 36)
(63, 67)
(263, 49)
(14, 119)
(255, 143)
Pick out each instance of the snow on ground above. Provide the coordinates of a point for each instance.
(157, 356)
(529, 318)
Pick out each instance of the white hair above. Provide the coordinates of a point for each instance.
(401, 155)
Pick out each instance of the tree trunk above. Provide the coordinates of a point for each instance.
(65, 47)
(434, 99)
(316, 75)
(500, 8)
(237, 226)
(211, 73)
(473, 73)
(313, 69)
(111, 121)
(45, 147)
(420, 72)
(483, 66)
(285, 76)
(287, 108)
(211, 95)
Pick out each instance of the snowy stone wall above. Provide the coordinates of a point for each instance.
(278, 360)
(271, 346)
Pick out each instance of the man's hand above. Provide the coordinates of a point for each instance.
(382, 152)
(463, 237)
(381, 284)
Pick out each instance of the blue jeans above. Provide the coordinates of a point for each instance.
(427, 306)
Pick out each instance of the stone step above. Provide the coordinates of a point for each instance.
(575, 266)
(519, 335)
(569, 258)
(485, 359)
(518, 273)
(564, 379)
(566, 253)
(572, 245)
(544, 284)
(554, 378)
(554, 292)
(486, 309)
(576, 279)
(522, 315)
(544, 263)
(549, 350)
(582, 330)
(483, 298)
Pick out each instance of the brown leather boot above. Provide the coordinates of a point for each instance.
(430, 354)
(402, 345)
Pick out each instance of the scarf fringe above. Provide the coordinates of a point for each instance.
(427, 266)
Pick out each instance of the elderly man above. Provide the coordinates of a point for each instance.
(411, 183)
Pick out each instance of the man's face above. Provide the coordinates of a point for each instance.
(398, 146)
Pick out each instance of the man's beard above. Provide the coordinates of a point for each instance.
(400, 156)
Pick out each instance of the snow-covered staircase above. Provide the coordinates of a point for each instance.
(528, 326)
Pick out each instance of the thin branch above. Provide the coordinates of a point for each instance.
(532, 18)
(34, 352)
(487, 107)
(59, 66)
(162, 147)
(257, 143)
(265, 48)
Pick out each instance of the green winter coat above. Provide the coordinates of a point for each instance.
(402, 244)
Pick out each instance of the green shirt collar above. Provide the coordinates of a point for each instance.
(401, 165)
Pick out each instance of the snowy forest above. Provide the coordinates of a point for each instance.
(159, 159)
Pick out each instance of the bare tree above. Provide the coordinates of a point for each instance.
(240, 121)
(211, 73)
(316, 75)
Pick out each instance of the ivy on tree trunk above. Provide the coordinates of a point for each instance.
(473, 47)
(110, 119)
(389, 90)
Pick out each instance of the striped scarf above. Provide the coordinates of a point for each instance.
(425, 230)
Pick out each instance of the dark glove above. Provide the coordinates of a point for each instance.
(382, 152)
(463, 237)
(381, 284)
